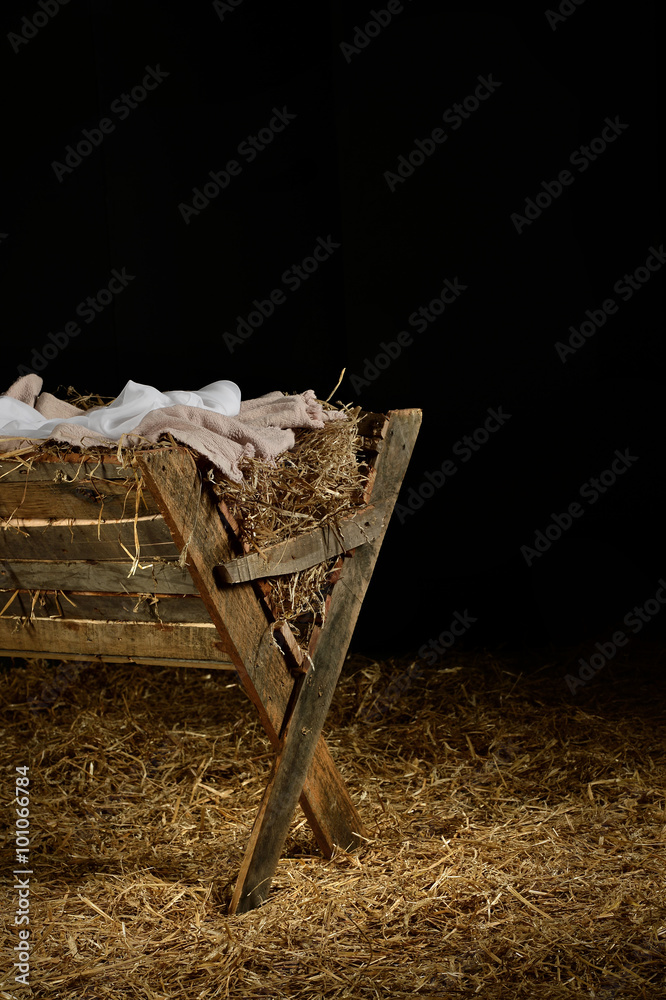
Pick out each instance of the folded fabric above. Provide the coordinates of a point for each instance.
(212, 421)
(126, 412)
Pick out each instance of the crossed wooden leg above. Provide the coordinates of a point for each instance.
(292, 711)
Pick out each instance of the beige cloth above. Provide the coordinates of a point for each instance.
(264, 427)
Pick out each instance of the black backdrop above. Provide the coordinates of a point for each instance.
(528, 210)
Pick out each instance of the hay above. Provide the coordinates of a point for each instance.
(86, 400)
(517, 834)
(314, 483)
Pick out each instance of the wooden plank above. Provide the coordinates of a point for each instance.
(92, 638)
(88, 541)
(88, 498)
(111, 575)
(294, 760)
(105, 461)
(305, 550)
(54, 468)
(148, 661)
(167, 609)
(191, 511)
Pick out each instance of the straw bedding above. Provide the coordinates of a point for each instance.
(517, 834)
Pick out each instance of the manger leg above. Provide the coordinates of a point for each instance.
(192, 515)
(296, 754)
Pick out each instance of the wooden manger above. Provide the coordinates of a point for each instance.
(141, 561)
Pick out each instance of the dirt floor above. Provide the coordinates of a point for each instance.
(517, 849)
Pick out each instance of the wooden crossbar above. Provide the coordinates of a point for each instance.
(308, 549)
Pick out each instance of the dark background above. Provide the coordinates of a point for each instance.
(324, 176)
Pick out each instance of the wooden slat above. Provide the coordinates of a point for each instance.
(90, 498)
(52, 468)
(107, 607)
(191, 512)
(305, 550)
(294, 760)
(88, 541)
(148, 661)
(92, 638)
(112, 576)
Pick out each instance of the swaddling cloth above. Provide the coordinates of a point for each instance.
(123, 415)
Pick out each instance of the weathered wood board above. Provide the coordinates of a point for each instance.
(90, 637)
(147, 661)
(88, 498)
(168, 609)
(110, 575)
(73, 466)
(306, 550)
(75, 540)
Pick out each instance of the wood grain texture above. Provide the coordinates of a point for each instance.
(131, 639)
(293, 764)
(88, 541)
(52, 468)
(168, 609)
(111, 575)
(148, 661)
(88, 498)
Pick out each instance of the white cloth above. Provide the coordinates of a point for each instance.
(19, 420)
